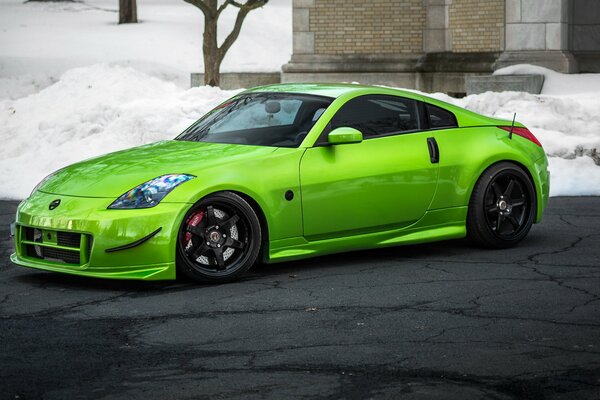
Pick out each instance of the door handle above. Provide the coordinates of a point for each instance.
(434, 151)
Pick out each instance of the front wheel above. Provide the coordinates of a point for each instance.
(502, 207)
(219, 239)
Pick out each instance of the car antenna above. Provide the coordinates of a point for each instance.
(512, 126)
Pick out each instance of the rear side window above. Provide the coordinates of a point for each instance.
(440, 118)
(377, 115)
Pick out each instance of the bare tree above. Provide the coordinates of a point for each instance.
(127, 11)
(213, 54)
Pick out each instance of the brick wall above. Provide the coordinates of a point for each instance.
(367, 27)
(476, 25)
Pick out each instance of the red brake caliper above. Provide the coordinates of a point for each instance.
(193, 221)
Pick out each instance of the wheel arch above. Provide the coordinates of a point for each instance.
(235, 198)
(254, 204)
(523, 166)
(264, 225)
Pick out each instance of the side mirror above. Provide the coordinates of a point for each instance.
(344, 135)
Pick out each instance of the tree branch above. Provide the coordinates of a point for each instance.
(202, 6)
(249, 5)
(235, 32)
(223, 6)
(237, 27)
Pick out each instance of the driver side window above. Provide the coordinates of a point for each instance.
(378, 115)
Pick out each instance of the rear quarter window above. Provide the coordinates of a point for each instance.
(440, 118)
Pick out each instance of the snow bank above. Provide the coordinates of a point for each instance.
(574, 177)
(568, 127)
(106, 107)
(556, 83)
(91, 111)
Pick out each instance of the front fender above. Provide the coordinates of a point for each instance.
(265, 180)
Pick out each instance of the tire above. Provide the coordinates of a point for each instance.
(219, 239)
(502, 208)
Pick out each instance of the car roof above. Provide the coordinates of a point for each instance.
(334, 90)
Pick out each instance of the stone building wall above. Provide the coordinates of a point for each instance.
(537, 32)
(584, 39)
(359, 27)
(436, 45)
(476, 25)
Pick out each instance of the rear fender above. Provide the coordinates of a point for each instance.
(462, 164)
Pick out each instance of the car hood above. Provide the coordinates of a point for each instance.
(113, 174)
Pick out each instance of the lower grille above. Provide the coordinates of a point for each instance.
(61, 247)
(68, 239)
(52, 254)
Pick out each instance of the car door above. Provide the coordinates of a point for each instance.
(385, 182)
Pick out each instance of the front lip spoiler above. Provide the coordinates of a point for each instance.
(134, 244)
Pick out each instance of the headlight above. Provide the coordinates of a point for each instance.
(150, 193)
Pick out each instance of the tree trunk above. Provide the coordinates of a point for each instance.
(127, 11)
(212, 56)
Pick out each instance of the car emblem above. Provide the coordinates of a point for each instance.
(54, 204)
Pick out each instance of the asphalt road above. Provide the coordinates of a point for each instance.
(434, 321)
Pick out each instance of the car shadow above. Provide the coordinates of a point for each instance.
(54, 280)
(459, 249)
(449, 248)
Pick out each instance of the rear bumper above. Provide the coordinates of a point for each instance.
(542, 180)
(100, 230)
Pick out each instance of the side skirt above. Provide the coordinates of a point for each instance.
(442, 224)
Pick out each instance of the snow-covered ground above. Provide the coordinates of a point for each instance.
(40, 41)
(73, 84)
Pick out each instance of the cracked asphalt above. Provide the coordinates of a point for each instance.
(434, 321)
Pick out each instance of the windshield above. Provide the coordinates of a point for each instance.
(260, 119)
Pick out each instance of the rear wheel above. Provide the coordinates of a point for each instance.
(219, 239)
(502, 207)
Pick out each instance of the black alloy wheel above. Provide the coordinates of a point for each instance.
(219, 239)
(502, 207)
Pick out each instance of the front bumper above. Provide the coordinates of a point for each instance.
(74, 237)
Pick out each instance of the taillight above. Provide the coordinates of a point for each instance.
(523, 132)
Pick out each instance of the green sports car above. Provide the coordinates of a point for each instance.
(285, 172)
